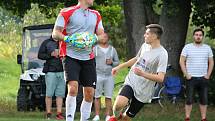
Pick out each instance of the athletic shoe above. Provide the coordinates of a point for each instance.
(48, 116)
(107, 118)
(112, 118)
(96, 118)
(59, 116)
(187, 119)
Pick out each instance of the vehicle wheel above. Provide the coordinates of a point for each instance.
(22, 99)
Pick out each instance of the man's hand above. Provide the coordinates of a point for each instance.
(138, 71)
(55, 53)
(109, 61)
(188, 76)
(115, 71)
(207, 77)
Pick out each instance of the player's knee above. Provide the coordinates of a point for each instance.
(72, 90)
(117, 107)
(88, 95)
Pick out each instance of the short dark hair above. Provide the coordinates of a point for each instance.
(156, 28)
(197, 30)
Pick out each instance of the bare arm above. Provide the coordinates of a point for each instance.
(123, 65)
(159, 77)
(57, 33)
(182, 63)
(210, 67)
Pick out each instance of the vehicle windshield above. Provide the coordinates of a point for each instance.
(31, 44)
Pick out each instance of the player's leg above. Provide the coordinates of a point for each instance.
(133, 109)
(60, 94)
(88, 80)
(203, 97)
(122, 100)
(189, 98)
(97, 104)
(71, 70)
(49, 77)
(108, 93)
(98, 94)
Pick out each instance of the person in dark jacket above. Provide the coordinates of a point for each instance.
(54, 77)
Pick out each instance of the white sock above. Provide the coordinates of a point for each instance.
(70, 107)
(85, 110)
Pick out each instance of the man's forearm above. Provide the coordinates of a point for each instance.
(57, 36)
(154, 77)
(210, 67)
(183, 65)
(128, 63)
(57, 33)
(183, 69)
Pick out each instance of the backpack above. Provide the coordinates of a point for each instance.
(173, 85)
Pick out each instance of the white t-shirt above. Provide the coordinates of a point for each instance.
(151, 61)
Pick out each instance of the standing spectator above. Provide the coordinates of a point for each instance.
(106, 59)
(79, 63)
(147, 68)
(197, 63)
(54, 78)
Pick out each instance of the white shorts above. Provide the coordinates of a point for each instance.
(104, 85)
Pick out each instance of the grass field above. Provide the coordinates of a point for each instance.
(9, 82)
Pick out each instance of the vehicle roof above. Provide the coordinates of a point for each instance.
(36, 27)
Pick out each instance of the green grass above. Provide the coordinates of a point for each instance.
(9, 77)
(9, 83)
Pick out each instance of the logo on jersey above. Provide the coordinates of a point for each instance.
(142, 63)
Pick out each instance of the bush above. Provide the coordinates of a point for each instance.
(11, 29)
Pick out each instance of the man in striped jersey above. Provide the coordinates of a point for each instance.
(197, 63)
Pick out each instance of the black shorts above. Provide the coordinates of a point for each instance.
(135, 105)
(199, 84)
(83, 71)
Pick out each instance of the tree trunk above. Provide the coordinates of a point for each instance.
(175, 20)
(138, 14)
(135, 17)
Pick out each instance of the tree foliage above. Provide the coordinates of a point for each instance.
(113, 24)
(20, 7)
(44, 12)
(11, 29)
(204, 15)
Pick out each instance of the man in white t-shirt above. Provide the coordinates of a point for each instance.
(147, 68)
(197, 63)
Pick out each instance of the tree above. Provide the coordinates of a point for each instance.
(172, 14)
(174, 17)
(204, 15)
(20, 7)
